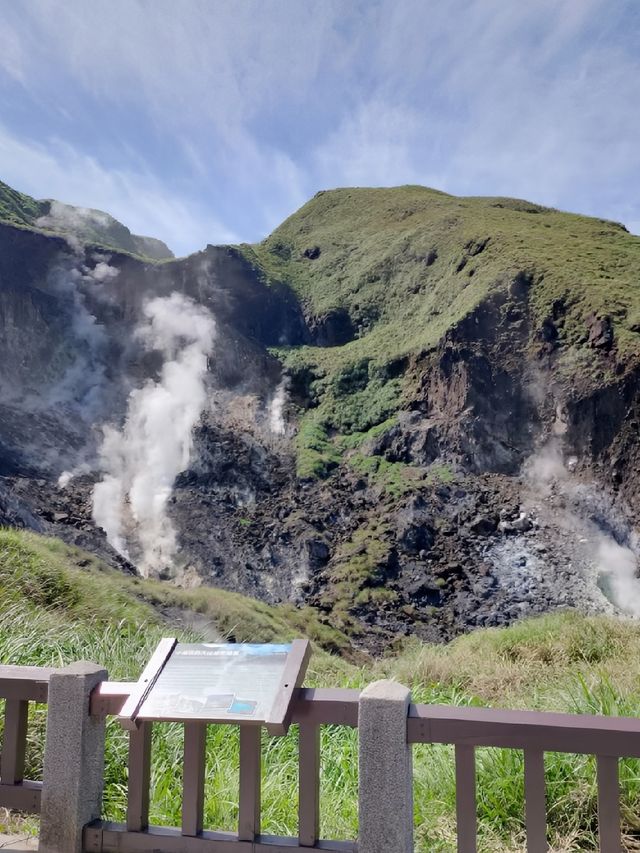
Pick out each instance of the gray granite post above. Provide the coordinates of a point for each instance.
(386, 770)
(73, 759)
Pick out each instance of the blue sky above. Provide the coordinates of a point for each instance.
(211, 121)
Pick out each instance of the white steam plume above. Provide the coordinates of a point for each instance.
(141, 461)
(275, 409)
(67, 476)
(616, 565)
(65, 216)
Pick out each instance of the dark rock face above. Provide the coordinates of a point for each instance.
(599, 332)
(414, 526)
(483, 525)
(332, 329)
(413, 439)
(473, 389)
(549, 335)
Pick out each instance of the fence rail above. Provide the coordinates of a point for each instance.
(534, 732)
(312, 708)
(466, 729)
(19, 685)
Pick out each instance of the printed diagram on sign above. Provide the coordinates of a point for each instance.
(219, 682)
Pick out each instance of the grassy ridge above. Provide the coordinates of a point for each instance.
(59, 605)
(46, 575)
(89, 226)
(18, 208)
(415, 260)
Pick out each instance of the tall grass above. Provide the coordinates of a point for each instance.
(556, 662)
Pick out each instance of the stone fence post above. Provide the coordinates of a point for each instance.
(386, 770)
(73, 759)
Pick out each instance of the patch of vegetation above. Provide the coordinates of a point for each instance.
(317, 454)
(354, 440)
(398, 478)
(341, 422)
(439, 473)
(362, 409)
(395, 478)
(364, 562)
(16, 207)
(351, 378)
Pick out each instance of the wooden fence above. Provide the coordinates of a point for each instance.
(19, 685)
(608, 738)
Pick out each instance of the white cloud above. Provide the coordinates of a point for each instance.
(193, 61)
(273, 101)
(491, 97)
(11, 54)
(376, 145)
(138, 199)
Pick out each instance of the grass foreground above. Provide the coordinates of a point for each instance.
(60, 605)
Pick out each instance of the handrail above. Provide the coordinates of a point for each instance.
(30, 683)
(18, 686)
(466, 728)
(314, 705)
(544, 730)
(534, 732)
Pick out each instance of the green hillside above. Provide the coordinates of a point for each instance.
(59, 605)
(42, 578)
(408, 262)
(89, 226)
(406, 265)
(18, 208)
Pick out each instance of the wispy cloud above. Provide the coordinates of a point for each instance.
(245, 109)
(57, 170)
(379, 144)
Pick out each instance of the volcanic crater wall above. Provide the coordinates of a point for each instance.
(427, 523)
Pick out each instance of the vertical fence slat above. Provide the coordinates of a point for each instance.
(14, 741)
(535, 805)
(250, 772)
(608, 804)
(139, 778)
(195, 737)
(466, 798)
(309, 784)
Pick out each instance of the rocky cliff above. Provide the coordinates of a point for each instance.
(418, 414)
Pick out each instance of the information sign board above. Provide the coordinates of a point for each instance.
(220, 683)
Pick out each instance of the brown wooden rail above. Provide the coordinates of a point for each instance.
(18, 686)
(312, 708)
(534, 732)
(608, 738)
(466, 729)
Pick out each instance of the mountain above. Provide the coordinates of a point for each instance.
(411, 412)
(83, 224)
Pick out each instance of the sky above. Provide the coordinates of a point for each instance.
(211, 121)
